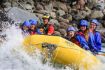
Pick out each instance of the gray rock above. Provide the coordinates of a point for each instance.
(63, 25)
(20, 15)
(7, 4)
(49, 7)
(60, 5)
(103, 11)
(63, 7)
(53, 14)
(55, 22)
(100, 5)
(41, 11)
(97, 14)
(63, 32)
(61, 19)
(39, 6)
(91, 3)
(28, 6)
(77, 15)
(39, 15)
(56, 33)
(103, 36)
(60, 12)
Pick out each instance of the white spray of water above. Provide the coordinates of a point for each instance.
(13, 57)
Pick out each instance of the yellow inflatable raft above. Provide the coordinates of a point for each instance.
(62, 51)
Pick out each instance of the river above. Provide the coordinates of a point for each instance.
(17, 59)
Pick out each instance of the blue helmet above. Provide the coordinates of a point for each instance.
(70, 29)
(95, 21)
(83, 23)
(26, 23)
(33, 21)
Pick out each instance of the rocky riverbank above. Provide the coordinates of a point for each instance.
(63, 13)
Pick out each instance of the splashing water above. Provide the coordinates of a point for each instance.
(13, 57)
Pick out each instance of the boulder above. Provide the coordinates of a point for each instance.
(41, 11)
(53, 14)
(56, 33)
(97, 14)
(39, 7)
(19, 15)
(63, 32)
(28, 6)
(56, 24)
(49, 7)
(60, 12)
(60, 5)
(63, 25)
(61, 19)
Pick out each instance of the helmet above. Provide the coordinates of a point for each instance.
(95, 21)
(83, 23)
(45, 16)
(70, 29)
(33, 21)
(26, 23)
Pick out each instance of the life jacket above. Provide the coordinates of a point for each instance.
(49, 28)
(81, 34)
(73, 40)
(32, 32)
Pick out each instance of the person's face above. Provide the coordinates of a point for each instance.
(93, 26)
(32, 27)
(45, 20)
(25, 28)
(71, 33)
(41, 30)
(83, 28)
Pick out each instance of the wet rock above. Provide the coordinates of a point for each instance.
(103, 24)
(61, 19)
(56, 33)
(80, 4)
(63, 32)
(63, 25)
(60, 13)
(97, 14)
(77, 15)
(41, 11)
(60, 5)
(56, 24)
(49, 7)
(39, 15)
(103, 36)
(20, 15)
(63, 7)
(91, 3)
(103, 11)
(7, 4)
(28, 6)
(53, 14)
(100, 5)
(39, 7)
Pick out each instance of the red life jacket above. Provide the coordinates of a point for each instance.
(32, 32)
